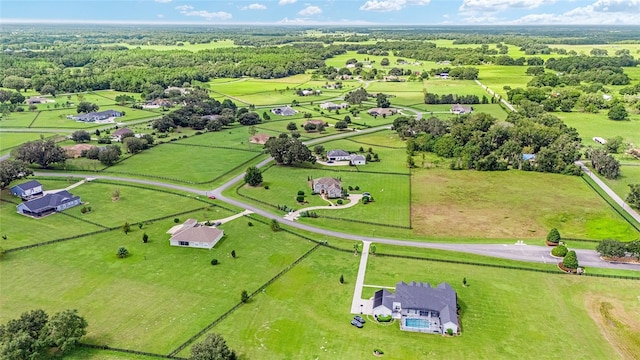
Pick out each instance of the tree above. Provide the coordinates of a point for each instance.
(341, 125)
(249, 118)
(292, 126)
(244, 296)
(80, 136)
(605, 164)
(20, 338)
(122, 252)
(618, 112)
(11, 170)
(382, 100)
(133, 145)
(115, 194)
(318, 149)
(614, 144)
(65, 329)
(86, 107)
(275, 225)
(14, 82)
(48, 89)
(214, 347)
(233, 254)
(145, 238)
(265, 116)
(633, 198)
(633, 248)
(16, 98)
(289, 151)
(41, 152)
(553, 236)
(253, 176)
(126, 228)
(309, 126)
(384, 62)
(464, 282)
(252, 130)
(570, 261)
(612, 248)
(110, 154)
(356, 96)
(356, 248)
(341, 279)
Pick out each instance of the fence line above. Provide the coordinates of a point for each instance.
(623, 213)
(137, 352)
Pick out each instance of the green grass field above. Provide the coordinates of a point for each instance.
(591, 125)
(321, 329)
(156, 298)
(185, 46)
(511, 204)
(10, 140)
(629, 174)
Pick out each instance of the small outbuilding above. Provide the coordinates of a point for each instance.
(28, 190)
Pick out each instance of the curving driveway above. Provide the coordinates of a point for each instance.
(353, 201)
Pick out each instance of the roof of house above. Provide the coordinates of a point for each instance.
(382, 111)
(461, 108)
(100, 114)
(49, 201)
(327, 181)
(417, 295)
(260, 138)
(356, 157)
(31, 184)
(314, 122)
(285, 111)
(192, 231)
(337, 152)
(121, 132)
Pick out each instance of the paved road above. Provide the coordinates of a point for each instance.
(358, 304)
(609, 192)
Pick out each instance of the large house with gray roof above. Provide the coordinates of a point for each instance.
(419, 307)
(49, 204)
(96, 116)
(327, 186)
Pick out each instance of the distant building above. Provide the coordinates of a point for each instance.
(96, 116)
(183, 91)
(356, 159)
(38, 100)
(48, 204)
(27, 190)
(338, 155)
(314, 122)
(118, 134)
(329, 187)
(382, 111)
(260, 138)
(331, 106)
(284, 111)
(460, 109)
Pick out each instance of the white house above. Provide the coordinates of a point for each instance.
(27, 189)
(420, 307)
(338, 155)
(356, 159)
(192, 234)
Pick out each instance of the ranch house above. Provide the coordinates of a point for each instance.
(27, 190)
(329, 187)
(48, 204)
(192, 234)
(420, 307)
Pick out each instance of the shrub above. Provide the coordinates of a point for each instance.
(176, 220)
(559, 251)
(233, 254)
(357, 188)
(553, 236)
(365, 199)
(84, 210)
(300, 199)
(378, 351)
(214, 262)
(145, 238)
(386, 318)
(450, 332)
(122, 252)
(249, 223)
(266, 187)
(350, 188)
(570, 261)
(340, 202)
(300, 193)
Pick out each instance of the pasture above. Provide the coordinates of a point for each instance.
(288, 321)
(510, 204)
(181, 46)
(171, 293)
(590, 125)
(10, 140)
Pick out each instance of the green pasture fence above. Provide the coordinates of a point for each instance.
(239, 304)
(365, 222)
(83, 220)
(252, 198)
(128, 351)
(215, 147)
(509, 267)
(34, 119)
(376, 145)
(579, 240)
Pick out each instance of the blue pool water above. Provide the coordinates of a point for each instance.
(417, 323)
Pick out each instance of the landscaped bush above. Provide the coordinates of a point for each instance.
(570, 261)
(249, 223)
(553, 236)
(266, 187)
(384, 318)
(357, 188)
(214, 262)
(176, 220)
(350, 188)
(450, 332)
(340, 202)
(300, 193)
(559, 251)
(300, 198)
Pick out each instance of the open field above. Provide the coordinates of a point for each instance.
(188, 163)
(185, 291)
(185, 46)
(629, 174)
(495, 77)
(10, 140)
(18, 119)
(320, 329)
(511, 204)
(591, 125)
(449, 86)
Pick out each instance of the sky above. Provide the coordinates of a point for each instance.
(326, 12)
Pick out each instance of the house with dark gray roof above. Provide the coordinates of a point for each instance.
(419, 307)
(193, 234)
(338, 155)
(460, 109)
(284, 111)
(27, 190)
(97, 116)
(49, 204)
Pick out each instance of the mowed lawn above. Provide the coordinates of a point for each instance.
(155, 299)
(510, 204)
(184, 163)
(506, 314)
(629, 174)
(10, 140)
(592, 125)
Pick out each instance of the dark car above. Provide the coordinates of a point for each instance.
(356, 323)
(359, 319)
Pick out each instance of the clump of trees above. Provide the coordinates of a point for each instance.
(633, 198)
(11, 170)
(253, 176)
(213, 347)
(431, 98)
(618, 249)
(42, 152)
(289, 151)
(605, 164)
(34, 334)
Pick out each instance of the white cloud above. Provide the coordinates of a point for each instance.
(255, 6)
(285, 2)
(390, 5)
(188, 10)
(163, 1)
(600, 12)
(310, 11)
(501, 5)
(160, 16)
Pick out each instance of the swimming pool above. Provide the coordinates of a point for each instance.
(417, 323)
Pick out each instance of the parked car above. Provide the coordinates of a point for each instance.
(356, 323)
(212, 197)
(359, 319)
(218, 223)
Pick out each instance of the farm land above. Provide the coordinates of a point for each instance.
(160, 298)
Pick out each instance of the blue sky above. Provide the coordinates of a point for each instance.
(327, 12)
